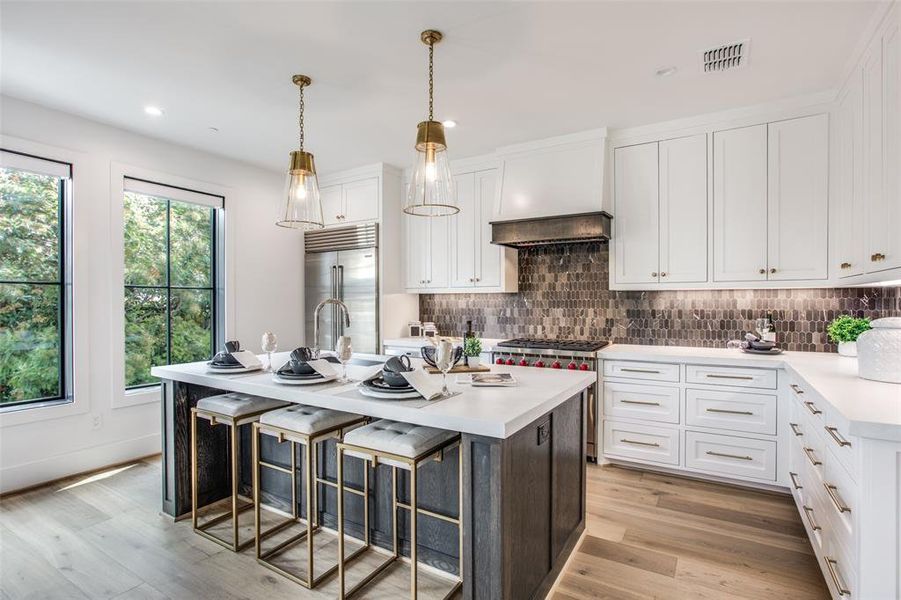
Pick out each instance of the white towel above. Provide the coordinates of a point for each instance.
(422, 382)
(247, 359)
(323, 367)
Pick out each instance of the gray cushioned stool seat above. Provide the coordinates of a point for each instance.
(307, 419)
(403, 439)
(236, 405)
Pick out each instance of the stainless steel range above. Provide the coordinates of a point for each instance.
(558, 354)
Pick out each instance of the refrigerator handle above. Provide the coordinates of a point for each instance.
(333, 308)
(338, 321)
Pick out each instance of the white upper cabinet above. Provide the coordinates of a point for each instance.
(885, 213)
(463, 229)
(428, 254)
(740, 204)
(556, 176)
(849, 221)
(494, 264)
(351, 202)
(332, 204)
(636, 210)
(683, 210)
(797, 200)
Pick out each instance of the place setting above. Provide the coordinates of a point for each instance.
(399, 380)
(233, 360)
(303, 369)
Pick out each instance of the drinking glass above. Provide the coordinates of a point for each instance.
(344, 350)
(762, 326)
(444, 360)
(270, 344)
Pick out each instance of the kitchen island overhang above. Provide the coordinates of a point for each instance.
(523, 469)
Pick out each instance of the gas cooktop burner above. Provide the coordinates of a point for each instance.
(543, 344)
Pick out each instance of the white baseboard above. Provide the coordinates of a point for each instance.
(33, 473)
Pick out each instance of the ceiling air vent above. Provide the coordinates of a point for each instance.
(725, 57)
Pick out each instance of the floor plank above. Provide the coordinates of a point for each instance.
(648, 536)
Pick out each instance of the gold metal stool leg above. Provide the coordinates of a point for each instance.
(413, 514)
(341, 573)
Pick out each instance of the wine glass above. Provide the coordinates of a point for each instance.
(270, 344)
(344, 350)
(444, 360)
(762, 326)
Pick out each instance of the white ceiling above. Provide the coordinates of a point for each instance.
(507, 72)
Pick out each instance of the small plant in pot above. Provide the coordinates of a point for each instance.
(472, 349)
(844, 331)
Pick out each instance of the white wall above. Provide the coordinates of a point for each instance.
(103, 425)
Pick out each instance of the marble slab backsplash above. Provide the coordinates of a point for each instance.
(564, 294)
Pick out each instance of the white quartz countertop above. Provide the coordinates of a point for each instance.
(496, 412)
(873, 408)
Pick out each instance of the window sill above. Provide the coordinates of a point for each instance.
(138, 397)
(41, 411)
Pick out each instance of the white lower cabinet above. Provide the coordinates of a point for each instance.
(641, 442)
(736, 411)
(731, 455)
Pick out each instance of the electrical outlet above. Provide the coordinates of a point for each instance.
(98, 421)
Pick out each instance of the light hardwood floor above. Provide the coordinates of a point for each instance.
(649, 536)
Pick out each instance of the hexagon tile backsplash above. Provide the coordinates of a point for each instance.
(563, 294)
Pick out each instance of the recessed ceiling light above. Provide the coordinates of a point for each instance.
(666, 71)
(153, 111)
(450, 123)
(213, 129)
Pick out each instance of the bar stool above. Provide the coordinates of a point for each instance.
(308, 426)
(232, 410)
(401, 446)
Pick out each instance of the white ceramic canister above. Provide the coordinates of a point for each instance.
(879, 351)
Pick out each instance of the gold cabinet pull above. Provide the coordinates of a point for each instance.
(729, 412)
(809, 512)
(736, 456)
(877, 257)
(833, 431)
(640, 402)
(846, 265)
(628, 370)
(795, 481)
(813, 408)
(628, 441)
(742, 377)
(796, 388)
(833, 495)
(840, 586)
(794, 427)
(810, 456)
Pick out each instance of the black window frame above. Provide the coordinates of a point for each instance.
(217, 251)
(63, 283)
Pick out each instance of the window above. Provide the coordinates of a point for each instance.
(35, 300)
(173, 309)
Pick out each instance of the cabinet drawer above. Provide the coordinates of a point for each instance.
(729, 455)
(840, 504)
(735, 376)
(737, 411)
(812, 404)
(840, 443)
(641, 442)
(839, 571)
(637, 401)
(641, 370)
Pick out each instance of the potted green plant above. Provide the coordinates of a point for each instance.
(472, 349)
(844, 331)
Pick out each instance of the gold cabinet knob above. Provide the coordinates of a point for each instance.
(654, 274)
(762, 271)
(773, 270)
(846, 265)
(662, 274)
(477, 279)
(877, 257)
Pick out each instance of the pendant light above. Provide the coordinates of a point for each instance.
(302, 208)
(431, 192)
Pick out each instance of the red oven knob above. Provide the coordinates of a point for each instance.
(556, 365)
(499, 361)
(583, 367)
(510, 361)
(523, 363)
(572, 366)
(539, 364)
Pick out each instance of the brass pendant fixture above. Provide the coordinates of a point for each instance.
(431, 192)
(301, 207)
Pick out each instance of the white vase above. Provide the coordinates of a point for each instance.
(879, 351)
(474, 361)
(847, 348)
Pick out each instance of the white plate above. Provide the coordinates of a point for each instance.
(316, 381)
(230, 370)
(414, 395)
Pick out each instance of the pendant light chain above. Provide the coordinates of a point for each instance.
(431, 79)
(300, 118)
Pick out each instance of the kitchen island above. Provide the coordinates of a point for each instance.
(523, 468)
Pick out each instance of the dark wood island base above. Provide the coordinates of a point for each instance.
(523, 496)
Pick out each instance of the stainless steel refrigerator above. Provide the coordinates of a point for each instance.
(343, 263)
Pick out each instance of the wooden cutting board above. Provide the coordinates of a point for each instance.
(461, 369)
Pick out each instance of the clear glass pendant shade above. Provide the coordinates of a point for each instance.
(300, 207)
(431, 192)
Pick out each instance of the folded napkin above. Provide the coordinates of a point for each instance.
(247, 359)
(323, 367)
(371, 373)
(429, 387)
